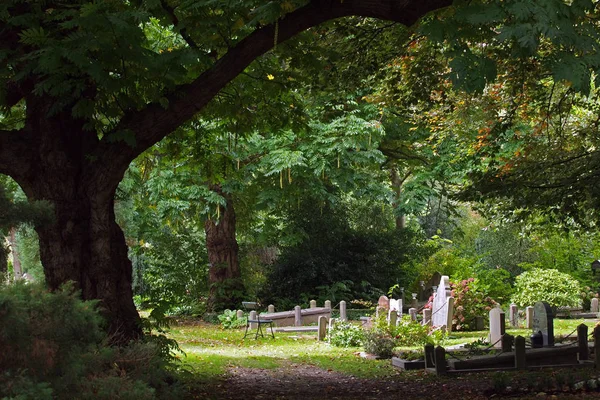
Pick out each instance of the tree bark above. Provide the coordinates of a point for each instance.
(224, 275)
(397, 183)
(83, 244)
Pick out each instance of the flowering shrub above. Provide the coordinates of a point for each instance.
(470, 301)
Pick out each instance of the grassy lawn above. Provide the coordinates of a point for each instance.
(210, 350)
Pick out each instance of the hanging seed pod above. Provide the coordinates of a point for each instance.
(218, 212)
(281, 179)
(238, 164)
(289, 175)
(338, 160)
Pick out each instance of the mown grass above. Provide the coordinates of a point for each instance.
(210, 350)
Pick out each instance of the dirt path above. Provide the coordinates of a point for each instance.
(307, 382)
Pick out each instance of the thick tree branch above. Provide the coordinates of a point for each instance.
(155, 122)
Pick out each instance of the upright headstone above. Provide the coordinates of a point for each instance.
(594, 305)
(313, 304)
(239, 314)
(529, 317)
(449, 313)
(322, 328)
(543, 321)
(332, 322)
(297, 316)
(271, 308)
(253, 325)
(497, 327)
(414, 303)
(440, 312)
(396, 305)
(427, 316)
(343, 316)
(383, 305)
(327, 303)
(514, 315)
(393, 320)
(413, 313)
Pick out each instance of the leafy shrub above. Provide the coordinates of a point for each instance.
(411, 333)
(53, 347)
(229, 320)
(470, 301)
(379, 343)
(345, 334)
(556, 288)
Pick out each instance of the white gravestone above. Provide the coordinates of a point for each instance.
(395, 305)
(497, 326)
(343, 316)
(443, 305)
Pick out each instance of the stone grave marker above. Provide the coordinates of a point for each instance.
(443, 305)
(413, 314)
(313, 304)
(322, 328)
(395, 305)
(393, 318)
(497, 326)
(543, 321)
(514, 316)
(594, 305)
(343, 316)
(383, 305)
(427, 316)
(529, 317)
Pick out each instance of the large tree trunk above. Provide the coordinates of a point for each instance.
(83, 244)
(224, 276)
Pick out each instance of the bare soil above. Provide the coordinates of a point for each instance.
(307, 382)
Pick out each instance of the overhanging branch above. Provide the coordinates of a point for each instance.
(154, 122)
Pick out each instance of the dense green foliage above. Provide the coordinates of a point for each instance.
(334, 261)
(230, 320)
(345, 334)
(556, 288)
(54, 347)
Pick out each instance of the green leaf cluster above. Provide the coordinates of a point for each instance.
(550, 285)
